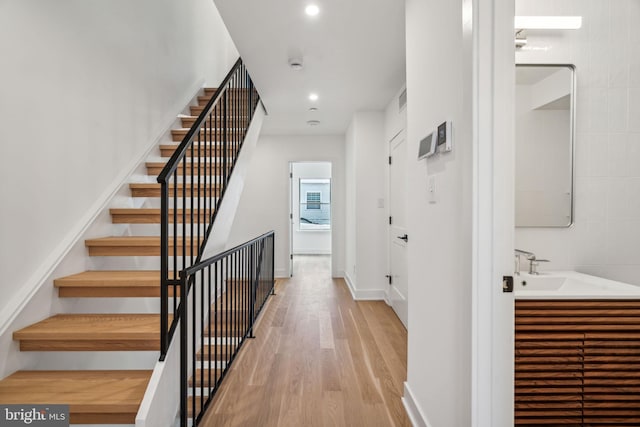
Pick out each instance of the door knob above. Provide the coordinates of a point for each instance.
(405, 238)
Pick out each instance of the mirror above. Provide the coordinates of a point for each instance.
(544, 145)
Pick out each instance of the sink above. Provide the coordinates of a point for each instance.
(571, 285)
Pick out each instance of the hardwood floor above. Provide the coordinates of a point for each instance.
(319, 359)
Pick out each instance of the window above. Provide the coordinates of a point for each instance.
(315, 204)
(313, 199)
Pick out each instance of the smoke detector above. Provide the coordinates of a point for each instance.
(295, 63)
(313, 122)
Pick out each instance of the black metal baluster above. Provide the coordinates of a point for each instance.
(217, 155)
(208, 179)
(191, 192)
(245, 275)
(194, 314)
(224, 139)
(164, 286)
(216, 350)
(175, 233)
(209, 343)
(202, 330)
(199, 196)
(252, 284)
(184, 371)
(184, 216)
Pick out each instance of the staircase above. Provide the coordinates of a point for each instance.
(114, 396)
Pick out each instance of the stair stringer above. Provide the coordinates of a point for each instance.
(160, 404)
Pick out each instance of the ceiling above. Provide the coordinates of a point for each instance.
(353, 53)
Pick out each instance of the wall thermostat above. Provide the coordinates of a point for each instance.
(428, 146)
(445, 136)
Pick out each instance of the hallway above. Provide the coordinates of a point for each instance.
(319, 359)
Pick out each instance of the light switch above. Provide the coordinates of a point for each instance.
(431, 188)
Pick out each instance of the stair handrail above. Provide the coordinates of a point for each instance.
(220, 128)
(225, 295)
(180, 152)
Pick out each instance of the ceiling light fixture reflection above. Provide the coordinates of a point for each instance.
(312, 10)
(548, 22)
(313, 97)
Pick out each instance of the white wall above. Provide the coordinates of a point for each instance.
(264, 205)
(606, 51)
(308, 242)
(439, 77)
(86, 88)
(366, 156)
(395, 118)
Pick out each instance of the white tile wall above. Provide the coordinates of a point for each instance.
(605, 237)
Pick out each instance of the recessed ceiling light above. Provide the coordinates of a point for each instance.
(312, 10)
(313, 122)
(313, 97)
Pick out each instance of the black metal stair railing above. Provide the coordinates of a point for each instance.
(193, 183)
(225, 296)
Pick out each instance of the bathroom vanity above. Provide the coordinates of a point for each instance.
(577, 351)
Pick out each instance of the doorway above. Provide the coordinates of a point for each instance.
(398, 294)
(310, 213)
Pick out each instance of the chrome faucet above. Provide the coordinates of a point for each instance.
(531, 257)
(518, 253)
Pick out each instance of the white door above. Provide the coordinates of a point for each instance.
(398, 293)
(292, 190)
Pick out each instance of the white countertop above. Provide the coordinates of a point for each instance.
(571, 285)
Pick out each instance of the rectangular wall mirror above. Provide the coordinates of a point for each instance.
(544, 145)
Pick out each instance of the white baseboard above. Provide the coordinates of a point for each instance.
(416, 415)
(364, 294)
(313, 252)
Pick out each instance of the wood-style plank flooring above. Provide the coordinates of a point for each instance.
(319, 359)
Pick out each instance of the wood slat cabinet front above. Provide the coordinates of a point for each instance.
(577, 363)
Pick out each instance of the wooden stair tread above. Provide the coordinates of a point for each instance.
(153, 216)
(197, 109)
(198, 377)
(216, 148)
(153, 185)
(134, 241)
(203, 168)
(217, 352)
(111, 284)
(93, 327)
(153, 190)
(138, 245)
(112, 397)
(131, 241)
(195, 164)
(189, 121)
(92, 332)
(207, 134)
(104, 278)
